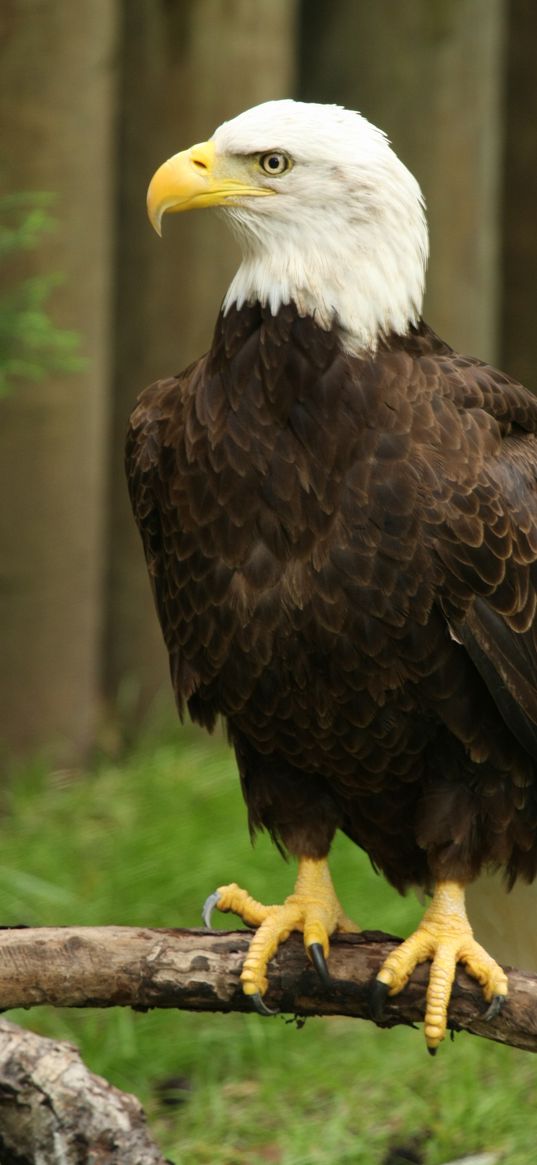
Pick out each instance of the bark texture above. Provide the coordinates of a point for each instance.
(199, 970)
(53, 1111)
(56, 137)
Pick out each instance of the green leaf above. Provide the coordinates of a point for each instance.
(31, 345)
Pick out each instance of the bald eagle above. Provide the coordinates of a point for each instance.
(339, 518)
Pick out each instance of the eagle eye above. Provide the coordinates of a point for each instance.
(274, 162)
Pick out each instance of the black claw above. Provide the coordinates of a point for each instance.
(259, 1006)
(494, 1008)
(208, 907)
(319, 962)
(377, 999)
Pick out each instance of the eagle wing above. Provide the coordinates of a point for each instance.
(153, 436)
(484, 532)
(473, 446)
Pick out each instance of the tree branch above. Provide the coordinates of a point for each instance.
(199, 970)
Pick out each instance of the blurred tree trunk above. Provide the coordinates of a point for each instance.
(186, 66)
(56, 101)
(430, 73)
(519, 284)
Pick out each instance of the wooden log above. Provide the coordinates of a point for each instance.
(53, 1109)
(198, 970)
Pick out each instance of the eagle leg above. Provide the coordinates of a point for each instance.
(444, 936)
(312, 908)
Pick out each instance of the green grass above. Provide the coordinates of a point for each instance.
(143, 842)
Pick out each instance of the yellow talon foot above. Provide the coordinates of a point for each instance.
(312, 909)
(445, 937)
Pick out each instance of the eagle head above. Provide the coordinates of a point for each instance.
(326, 215)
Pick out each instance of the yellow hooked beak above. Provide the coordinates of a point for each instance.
(196, 178)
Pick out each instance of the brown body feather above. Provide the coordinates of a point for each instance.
(343, 555)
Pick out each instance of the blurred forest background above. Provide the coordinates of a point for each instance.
(93, 96)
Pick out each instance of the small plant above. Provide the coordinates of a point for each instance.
(30, 343)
